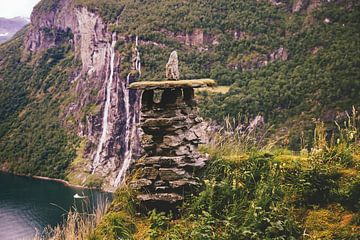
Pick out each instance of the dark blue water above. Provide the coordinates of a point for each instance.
(28, 205)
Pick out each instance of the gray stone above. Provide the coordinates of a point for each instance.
(146, 139)
(162, 189)
(183, 183)
(149, 173)
(172, 161)
(161, 122)
(165, 161)
(160, 183)
(191, 136)
(140, 183)
(195, 165)
(152, 160)
(172, 141)
(182, 150)
(170, 174)
(172, 67)
(160, 197)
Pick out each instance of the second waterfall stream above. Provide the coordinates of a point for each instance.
(105, 124)
(130, 131)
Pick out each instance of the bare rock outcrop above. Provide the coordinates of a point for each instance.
(255, 61)
(308, 5)
(276, 2)
(197, 38)
(279, 54)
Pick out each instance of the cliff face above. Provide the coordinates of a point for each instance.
(97, 83)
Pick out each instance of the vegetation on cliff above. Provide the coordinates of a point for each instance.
(278, 63)
(32, 137)
(320, 75)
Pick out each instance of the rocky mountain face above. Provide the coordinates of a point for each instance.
(111, 133)
(298, 5)
(8, 27)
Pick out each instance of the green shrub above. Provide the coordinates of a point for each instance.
(159, 223)
(246, 200)
(353, 199)
(109, 10)
(115, 225)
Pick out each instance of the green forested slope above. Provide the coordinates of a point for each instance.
(308, 82)
(32, 137)
(319, 78)
(323, 44)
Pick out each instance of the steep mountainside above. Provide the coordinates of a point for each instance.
(65, 109)
(8, 27)
(72, 98)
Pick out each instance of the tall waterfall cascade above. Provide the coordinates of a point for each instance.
(105, 124)
(130, 131)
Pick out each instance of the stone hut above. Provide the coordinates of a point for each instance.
(172, 131)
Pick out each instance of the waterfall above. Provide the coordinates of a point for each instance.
(105, 126)
(130, 122)
(138, 60)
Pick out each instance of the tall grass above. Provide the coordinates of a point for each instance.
(337, 147)
(78, 225)
(235, 140)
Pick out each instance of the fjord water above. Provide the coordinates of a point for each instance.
(27, 204)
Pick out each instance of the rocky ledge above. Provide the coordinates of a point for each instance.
(172, 131)
(197, 83)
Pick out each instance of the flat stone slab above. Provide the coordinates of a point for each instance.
(160, 197)
(171, 174)
(162, 122)
(196, 83)
(140, 183)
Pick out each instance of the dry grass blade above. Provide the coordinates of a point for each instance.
(77, 225)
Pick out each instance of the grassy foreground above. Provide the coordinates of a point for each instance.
(254, 190)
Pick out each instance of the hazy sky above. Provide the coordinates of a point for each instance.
(14, 8)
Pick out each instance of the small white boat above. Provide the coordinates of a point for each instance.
(79, 197)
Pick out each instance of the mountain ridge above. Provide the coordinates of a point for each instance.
(9, 26)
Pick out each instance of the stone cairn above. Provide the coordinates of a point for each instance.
(172, 132)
